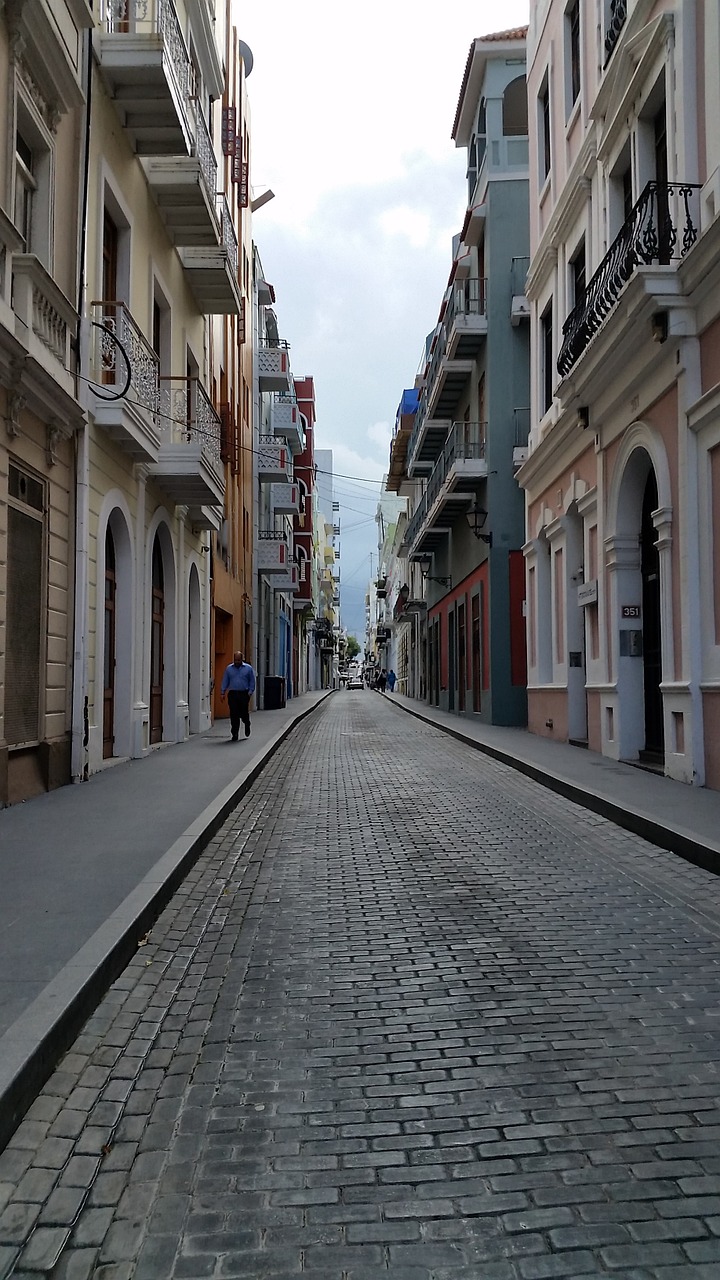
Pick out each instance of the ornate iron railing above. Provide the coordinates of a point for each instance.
(465, 440)
(227, 232)
(618, 14)
(116, 328)
(205, 152)
(154, 17)
(660, 228)
(186, 411)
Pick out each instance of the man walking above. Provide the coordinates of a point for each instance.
(238, 683)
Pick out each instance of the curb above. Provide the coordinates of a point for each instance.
(677, 840)
(31, 1047)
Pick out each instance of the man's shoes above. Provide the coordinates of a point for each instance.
(247, 730)
(233, 737)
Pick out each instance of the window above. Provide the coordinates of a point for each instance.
(25, 188)
(578, 277)
(32, 177)
(544, 130)
(546, 338)
(515, 109)
(572, 19)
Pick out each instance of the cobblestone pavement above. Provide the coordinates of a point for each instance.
(410, 1015)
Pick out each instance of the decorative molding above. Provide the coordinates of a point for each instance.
(55, 434)
(16, 401)
(49, 111)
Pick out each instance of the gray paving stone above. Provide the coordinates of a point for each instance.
(445, 1037)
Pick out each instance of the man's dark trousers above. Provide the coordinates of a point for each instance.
(239, 704)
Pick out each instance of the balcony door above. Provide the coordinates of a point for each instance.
(157, 645)
(652, 648)
(109, 649)
(462, 655)
(476, 655)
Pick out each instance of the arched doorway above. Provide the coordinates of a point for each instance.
(651, 627)
(157, 644)
(109, 646)
(194, 652)
(640, 568)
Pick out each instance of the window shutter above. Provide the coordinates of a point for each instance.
(226, 432)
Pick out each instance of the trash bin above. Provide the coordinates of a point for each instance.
(274, 693)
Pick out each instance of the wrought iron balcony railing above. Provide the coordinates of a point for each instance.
(121, 349)
(205, 152)
(154, 17)
(618, 14)
(227, 232)
(186, 413)
(465, 440)
(660, 228)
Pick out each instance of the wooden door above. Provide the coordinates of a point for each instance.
(157, 644)
(109, 651)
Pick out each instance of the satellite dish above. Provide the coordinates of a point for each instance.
(247, 57)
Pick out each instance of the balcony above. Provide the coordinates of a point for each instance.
(189, 467)
(522, 431)
(272, 553)
(404, 423)
(662, 228)
(285, 420)
(125, 375)
(285, 499)
(274, 461)
(290, 581)
(450, 489)
(146, 65)
(44, 323)
(273, 364)
(212, 271)
(466, 319)
(519, 307)
(184, 188)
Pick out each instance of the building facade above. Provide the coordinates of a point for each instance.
(622, 480)
(43, 88)
(162, 260)
(279, 439)
(455, 454)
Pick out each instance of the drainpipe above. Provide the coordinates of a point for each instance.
(79, 732)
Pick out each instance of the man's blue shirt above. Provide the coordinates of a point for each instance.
(238, 678)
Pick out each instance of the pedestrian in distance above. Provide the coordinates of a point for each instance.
(238, 683)
(382, 680)
(391, 679)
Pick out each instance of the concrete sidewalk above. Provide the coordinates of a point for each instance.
(670, 814)
(84, 872)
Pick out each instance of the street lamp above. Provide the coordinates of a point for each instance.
(424, 563)
(477, 516)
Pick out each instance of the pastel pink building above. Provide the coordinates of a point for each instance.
(622, 479)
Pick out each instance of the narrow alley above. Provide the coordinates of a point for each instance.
(411, 1014)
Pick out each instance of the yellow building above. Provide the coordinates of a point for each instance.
(42, 172)
(162, 260)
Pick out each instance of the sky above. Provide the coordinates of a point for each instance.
(352, 109)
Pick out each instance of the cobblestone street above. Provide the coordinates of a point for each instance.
(411, 1015)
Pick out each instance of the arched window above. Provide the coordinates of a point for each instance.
(515, 109)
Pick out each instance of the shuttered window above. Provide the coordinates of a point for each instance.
(24, 629)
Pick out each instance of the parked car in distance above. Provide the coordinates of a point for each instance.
(355, 677)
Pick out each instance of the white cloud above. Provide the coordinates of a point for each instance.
(381, 434)
(413, 224)
(352, 111)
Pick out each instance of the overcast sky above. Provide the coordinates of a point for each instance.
(352, 110)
